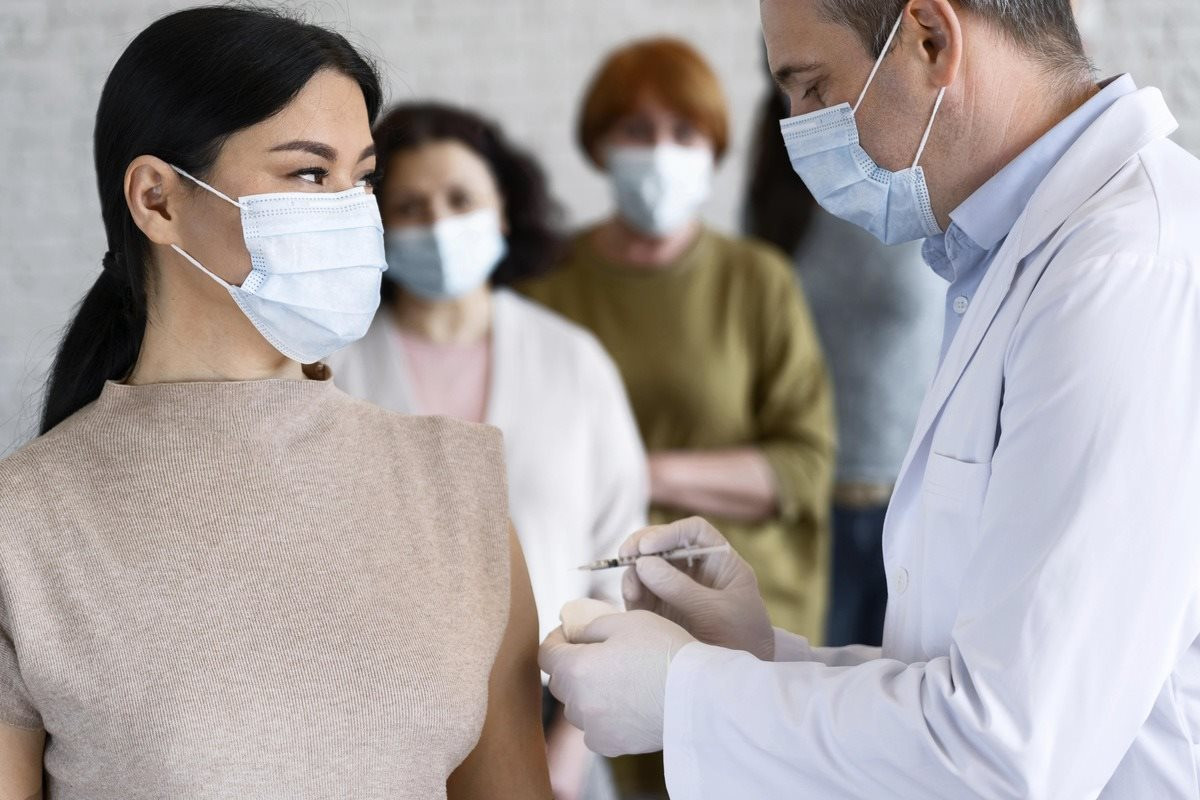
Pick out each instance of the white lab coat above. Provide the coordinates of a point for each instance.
(1043, 544)
(577, 481)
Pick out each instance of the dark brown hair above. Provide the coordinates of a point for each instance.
(534, 235)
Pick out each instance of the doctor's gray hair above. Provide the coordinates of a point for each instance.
(1045, 28)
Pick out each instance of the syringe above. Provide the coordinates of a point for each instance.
(680, 554)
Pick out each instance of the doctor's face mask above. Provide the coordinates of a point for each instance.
(824, 149)
(316, 261)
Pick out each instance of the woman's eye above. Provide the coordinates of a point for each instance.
(311, 174)
(639, 130)
(370, 180)
(685, 134)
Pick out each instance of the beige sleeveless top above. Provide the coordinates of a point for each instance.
(251, 590)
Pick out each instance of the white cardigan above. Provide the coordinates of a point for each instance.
(576, 466)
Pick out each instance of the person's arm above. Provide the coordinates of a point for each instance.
(788, 470)
(21, 752)
(569, 758)
(509, 760)
(794, 400)
(22, 735)
(735, 484)
(1075, 610)
(793, 647)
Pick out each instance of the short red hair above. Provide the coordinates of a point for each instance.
(673, 73)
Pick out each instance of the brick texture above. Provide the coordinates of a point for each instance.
(523, 61)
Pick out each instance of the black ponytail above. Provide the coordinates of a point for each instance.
(178, 91)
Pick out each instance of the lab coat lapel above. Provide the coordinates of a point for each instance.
(1131, 123)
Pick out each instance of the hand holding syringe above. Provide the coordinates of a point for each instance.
(678, 554)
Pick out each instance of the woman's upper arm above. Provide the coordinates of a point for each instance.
(509, 760)
(21, 762)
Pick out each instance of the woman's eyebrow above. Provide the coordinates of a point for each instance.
(316, 148)
(319, 149)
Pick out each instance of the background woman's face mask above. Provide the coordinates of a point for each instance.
(448, 259)
(825, 152)
(660, 189)
(316, 261)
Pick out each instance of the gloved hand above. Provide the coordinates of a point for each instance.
(613, 683)
(716, 599)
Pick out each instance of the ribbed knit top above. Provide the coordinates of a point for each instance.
(251, 589)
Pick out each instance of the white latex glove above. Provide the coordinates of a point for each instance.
(613, 685)
(716, 600)
(576, 615)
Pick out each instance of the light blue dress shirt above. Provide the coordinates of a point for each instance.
(980, 225)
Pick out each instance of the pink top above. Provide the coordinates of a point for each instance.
(448, 379)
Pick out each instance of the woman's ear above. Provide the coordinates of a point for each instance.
(938, 40)
(153, 191)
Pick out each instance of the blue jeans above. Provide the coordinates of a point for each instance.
(858, 597)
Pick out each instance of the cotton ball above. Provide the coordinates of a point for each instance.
(578, 614)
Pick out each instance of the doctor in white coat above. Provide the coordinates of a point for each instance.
(1043, 544)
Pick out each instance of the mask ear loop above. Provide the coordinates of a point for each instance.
(200, 266)
(183, 252)
(928, 128)
(879, 61)
(204, 185)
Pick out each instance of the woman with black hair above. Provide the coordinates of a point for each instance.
(467, 214)
(219, 575)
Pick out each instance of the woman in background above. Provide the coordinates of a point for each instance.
(219, 575)
(466, 214)
(710, 333)
(878, 311)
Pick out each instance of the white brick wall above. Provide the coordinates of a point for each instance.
(524, 61)
(1158, 42)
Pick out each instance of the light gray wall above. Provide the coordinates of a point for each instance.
(523, 61)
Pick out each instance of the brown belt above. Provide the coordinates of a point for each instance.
(862, 495)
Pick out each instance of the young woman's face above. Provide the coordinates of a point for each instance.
(651, 123)
(434, 181)
(320, 142)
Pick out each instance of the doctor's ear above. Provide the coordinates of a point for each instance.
(939, 37)
(153, 191)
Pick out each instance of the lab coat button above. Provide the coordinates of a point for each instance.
(901, 580)
(960, 305)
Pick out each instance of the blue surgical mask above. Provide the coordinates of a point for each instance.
(660, 189)
(451, 258)
(316, 262)
(824, 151)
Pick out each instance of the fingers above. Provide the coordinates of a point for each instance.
(634, 593)
(668, 583)
(603, 628)
(630, 547)
(690, 532)
(553, 651)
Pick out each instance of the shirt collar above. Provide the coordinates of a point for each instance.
(987, 216)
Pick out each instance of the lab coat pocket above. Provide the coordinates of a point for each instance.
(952, 498)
